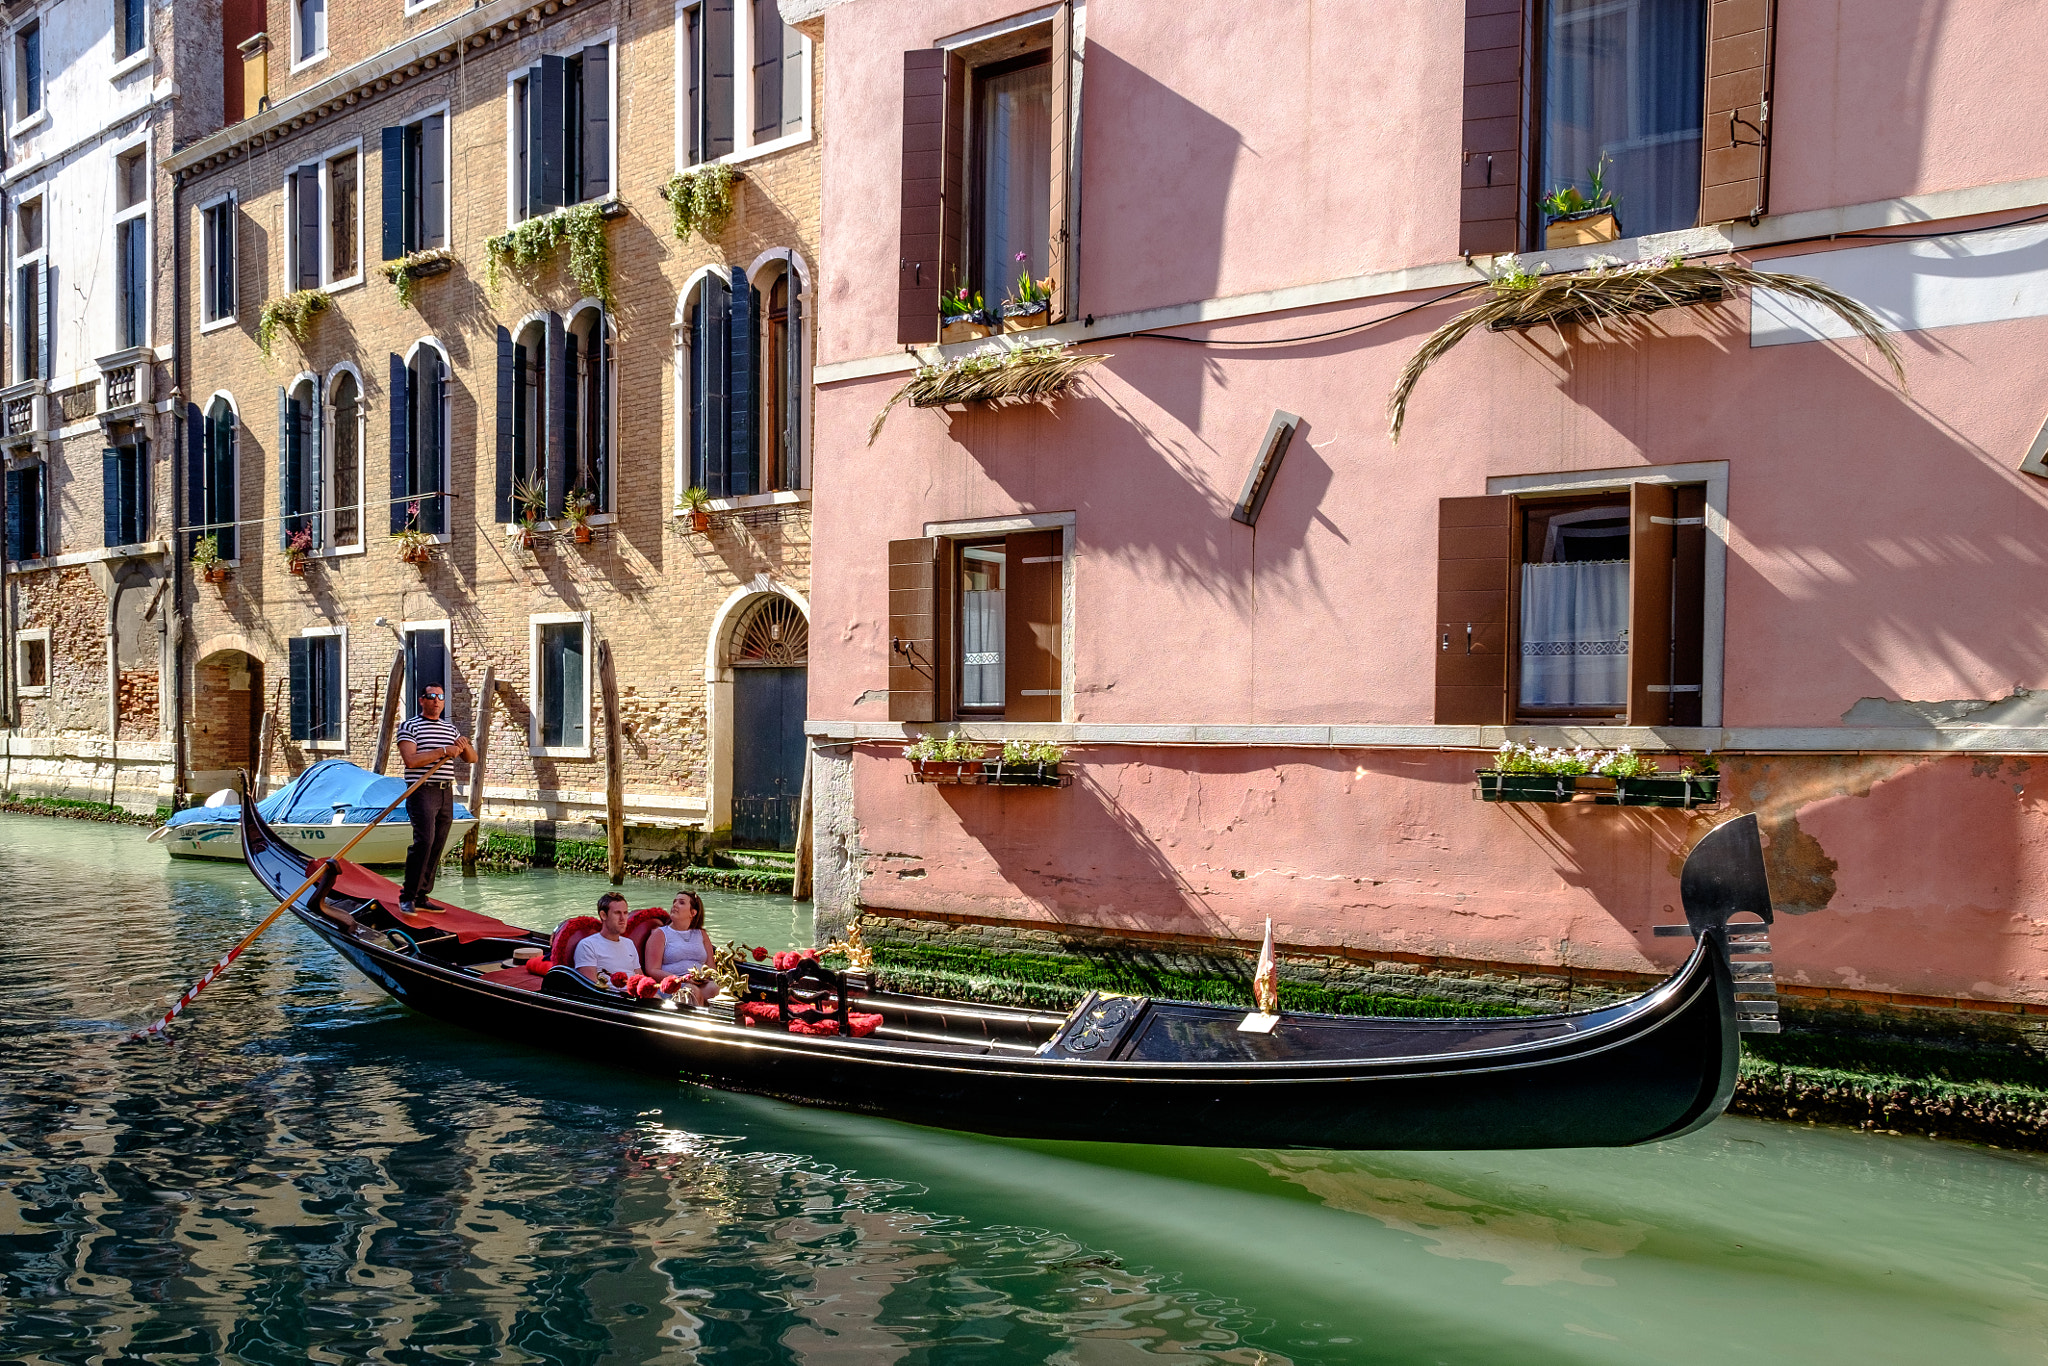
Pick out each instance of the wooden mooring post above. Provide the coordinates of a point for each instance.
(480, 737)
(800, 879)
(614, 768)
(387, 715)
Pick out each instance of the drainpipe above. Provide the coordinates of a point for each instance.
(174, 620)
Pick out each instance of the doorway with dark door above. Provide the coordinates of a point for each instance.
(770, 656)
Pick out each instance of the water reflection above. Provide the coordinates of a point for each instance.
(307, 1172)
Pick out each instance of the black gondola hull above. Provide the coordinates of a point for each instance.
(1654, 1068)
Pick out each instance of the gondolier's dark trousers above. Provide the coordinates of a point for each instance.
(431, 808)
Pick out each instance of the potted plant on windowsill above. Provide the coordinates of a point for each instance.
(415, 547)
(947, 760)
(298, 547)
(698, 501)
(1030, 305)
(530, 500)
(962, 316)
(1572, 219)
(577, 507)
(207, 562)
(1027, 764)
(1533, 773)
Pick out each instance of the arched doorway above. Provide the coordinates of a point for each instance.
(770, 657)
(225, 722)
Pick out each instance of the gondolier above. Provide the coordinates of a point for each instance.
(429, 745)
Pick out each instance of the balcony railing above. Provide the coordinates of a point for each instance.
(25, 411)
(126, 377)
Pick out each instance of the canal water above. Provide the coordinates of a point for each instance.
(308, 1172)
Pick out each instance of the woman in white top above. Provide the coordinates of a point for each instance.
(682, 944)
(607, 951)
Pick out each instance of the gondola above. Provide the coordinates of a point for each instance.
(1118, 1068)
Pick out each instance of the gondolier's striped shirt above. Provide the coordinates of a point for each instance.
(426, 735)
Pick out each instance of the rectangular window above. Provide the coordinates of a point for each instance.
(310, 18)
(976, 627)
(28, 71)
(324, 222)
(131, 29)
(745, 78)
(561, 672)
(562, 131)
(32, 663)
(25, 518)
(217, 232)
(319, 689)
(344, 260)
(31, 294)
(1623, 88)
(124, 494)
(426, 660)
(131, 179)
(131, 251)
(415, 186)
(1576, 606)
(988, 139)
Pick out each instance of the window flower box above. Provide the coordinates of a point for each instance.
(1001, 773)
(946, 770)
(1680, 790)
(1586, 228)
(1525, 787)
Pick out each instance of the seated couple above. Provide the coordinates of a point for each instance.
(673, 949)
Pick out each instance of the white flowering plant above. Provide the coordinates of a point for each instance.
(1515, 757)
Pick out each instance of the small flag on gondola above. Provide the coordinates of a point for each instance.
(1265, 990)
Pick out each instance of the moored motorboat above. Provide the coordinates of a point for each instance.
(319, 811)
(1126, 1069)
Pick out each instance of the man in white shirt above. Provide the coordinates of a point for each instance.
(608, 951)
(429, 745)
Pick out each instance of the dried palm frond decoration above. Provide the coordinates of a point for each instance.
(1517, 300)
(1024, 374)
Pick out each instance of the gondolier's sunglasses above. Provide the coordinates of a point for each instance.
(431, 695)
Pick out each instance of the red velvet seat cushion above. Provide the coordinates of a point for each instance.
(571, 932)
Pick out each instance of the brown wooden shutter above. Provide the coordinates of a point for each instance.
(1735, 158)
(1474, 558)
(1650, 524)
(1490, 185)
(924, 151)
(914, 569)
(1059, 260)
(1031, 626)
(1688, 602)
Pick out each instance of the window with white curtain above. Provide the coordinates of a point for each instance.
(1575, 605)
(1623, 89)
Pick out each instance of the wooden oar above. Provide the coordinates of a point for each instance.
(207, 977)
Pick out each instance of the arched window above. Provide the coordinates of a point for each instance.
(345, 466)
(743, 365)
(299, 480)
(586, 416)
(214, 497)
(523, 363)
(419, 440)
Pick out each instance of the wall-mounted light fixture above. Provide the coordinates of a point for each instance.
(1256, 484)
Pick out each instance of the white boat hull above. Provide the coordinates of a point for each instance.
(223, 840)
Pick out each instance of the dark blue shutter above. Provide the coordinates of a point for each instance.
(46, 317)
(693, 21)
(793, 388)
(596, 133)
(431, 473)
(195, 475)
(15, 524)
(399, 401)
(697, 464)
(306, 222)
(713, 361)
(392, 173)
(507, 390)
(717, 85)
(224, 482)
(548, 116)
(433, 227)
(287, 455)
(743, 388)
(767, 66)
(601, 416)
(302, 688)
(557, 456)
(110, 497)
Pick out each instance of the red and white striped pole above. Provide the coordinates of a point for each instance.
(156, 1028)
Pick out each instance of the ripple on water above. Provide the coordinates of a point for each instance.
(307, 1171)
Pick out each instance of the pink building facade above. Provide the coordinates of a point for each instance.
(1259, 212)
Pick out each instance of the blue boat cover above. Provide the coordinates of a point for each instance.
(310, 799)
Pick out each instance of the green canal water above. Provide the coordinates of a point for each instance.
(309, 1172)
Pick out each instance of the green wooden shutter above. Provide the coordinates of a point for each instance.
(391, 173)
(742, 389)
(399, 400)
(596, 132)
(507, 394)
(302, 688)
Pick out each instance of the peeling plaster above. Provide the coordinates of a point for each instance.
(2025, 707)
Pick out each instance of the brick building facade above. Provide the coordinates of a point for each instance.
(371, 133)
